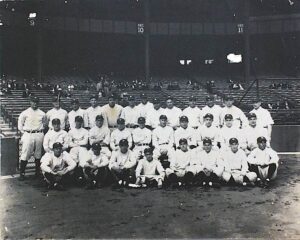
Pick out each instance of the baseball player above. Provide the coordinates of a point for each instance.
(57, 112)
(122, 164)
(149, 171)
(120, 133)
(144, 106)
(264, 162)
(173, 113)
(252, 132)
(152, 118)
(112, 111)
(264, 118)
(31, 124)
(78, 137)
(96, 167)
(141, 137)
(93, 111)
(211, 165)
(130, 113)
(179, 165)
(236, 165)
(193, 113)
(56, 165)
(228, 131)
(184, 131)
(207, 130)
(77, 111)
(56, 135)
(239, 118)
(212, 109)
(163, 141)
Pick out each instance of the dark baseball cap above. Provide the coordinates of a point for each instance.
(183, 119)
(148, 150)
(78, 119)
(156, 100)
(99, 117)
(55, 121)
(143, 95)
(228, 117)
(233, 141)
(169, 98)
(34, 99)
(96, 146)
(55, 99)
(123, 142)
(209, 115)
(261, 139)
(252, 115)
(141, 120)
(74, 100)
(228, 98)
(192, 98)
(163, 117)
(93, 97)
(183, 141)
(57, 145)
(121, 121)
(209, 98)
(131, 98)
(207, 141)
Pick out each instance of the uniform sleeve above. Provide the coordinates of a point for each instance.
(131, 161)
(85, 139)
(46, 141)
(104, 161)
(252, 157)
(139, 169)
(71, 142)
(160, 169)
(243, 119)
(155, 138)
(273, 156)
(113, 160)
(45, 163)
(171, 139)
(122, 114)
(112, 143)
(92, 137)
(85, 118)
(129, 138)
(21, 121)
(244, 163)
(66, 141)
(70, 162)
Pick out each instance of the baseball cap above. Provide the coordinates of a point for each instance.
(74, 100)
(207, 141)
(99, 117)
(34, 99)
(209, 115)
(252, 115)
(169, 98)
(233, 141)
(163, 117)
(78, 119)
(57, 145)
(183, 119)
(192, 98)
(55, 121)
(228, 117)
(131, 98)
(148, 150)
(257, 100)
(121, 121)
(183, 141)
(209, 98)
(228, 98)
(55, 99)
(141, 120)
(113, 96)
(93, 97)
(96, 146)
(261, 139)
(143, 95)
(156, 100)
(123, 142)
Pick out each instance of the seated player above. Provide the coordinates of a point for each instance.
(56, 134)
(207, 130)
(100, 134)
(236, 165)
(96, 167)
(163, 141)
(184, 131)
(211, 165)
(179, 165)
(229, 131)
(78, 137)
(193, 113)
(55, 165)
(120, 133)
(264, 162)
(141, 137)
(149, 171)
(252, 132)
(122, 164)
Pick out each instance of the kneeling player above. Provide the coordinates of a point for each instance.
(122, 163)
(149, 171)
(264, 162)
(96, 167)
(211, 165)
(236, 165)
(55, 165)
(179, 166)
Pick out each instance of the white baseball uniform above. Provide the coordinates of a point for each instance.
(252, 133)
(52, 137)
(173, 115)
(99, 135)
(211, 161)
(80, 112)
(225, 133)
(215, 111)
(180, 162)
(188, 133)
(264, 117)
(93, 160)
(112, 114)
(149, 170)
(194, 115)
(92, 113)
(239, 118)
(212, 132)
(142, 139)
(130, 115)
(118, 135)
(50, 162)
(121, 160)
(61, 114)
(143, 109)
(153, 115)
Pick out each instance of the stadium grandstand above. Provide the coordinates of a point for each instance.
(75, 49)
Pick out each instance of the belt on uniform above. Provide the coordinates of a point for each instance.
(114, 126)
(34, 131)
(163, 143)
(143, 144)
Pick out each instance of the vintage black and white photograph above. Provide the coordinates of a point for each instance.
(150, 119)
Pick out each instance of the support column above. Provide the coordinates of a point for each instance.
(147, 40)
(246, 57)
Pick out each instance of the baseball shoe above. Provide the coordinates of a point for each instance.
(159, 184)
(59, 187)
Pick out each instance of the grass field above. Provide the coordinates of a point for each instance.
(28, 210)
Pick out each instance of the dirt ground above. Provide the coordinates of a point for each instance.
(27, 210)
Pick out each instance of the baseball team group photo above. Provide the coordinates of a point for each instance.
(150, 119)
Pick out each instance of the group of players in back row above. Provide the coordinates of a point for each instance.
(148, 145)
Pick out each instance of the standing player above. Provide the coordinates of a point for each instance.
(239, 118)
(112, 111)
(77, 111)
(141, 137)
(184, 131)
(130, 113)
(93, 111)
(212, 109)
(144, 106)
(264, 162)
(264, 118)
(120, 133)
(193, 113)
(236, 165)
(56, 135)
(152, 118)
(57, 112)
(31, 124)
(56, 165)
(173, 113)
